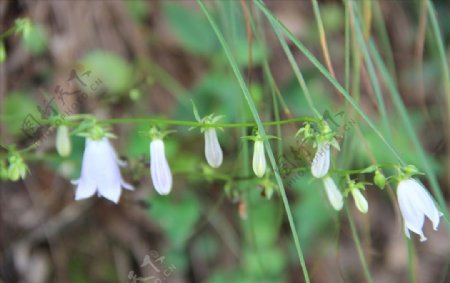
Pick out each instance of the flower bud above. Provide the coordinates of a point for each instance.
(379, 179)
(333, 193)
(259, 159)
(321, 162)
(17, 168)
(2, 52)
(159, 168)
(411, 170)
(360, 200)
(213, 152)
(63, 143)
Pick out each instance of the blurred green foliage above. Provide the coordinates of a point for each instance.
(17, 107)
(114, 72)
(36, 42)
(265, 253)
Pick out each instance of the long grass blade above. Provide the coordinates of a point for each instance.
(262, 132)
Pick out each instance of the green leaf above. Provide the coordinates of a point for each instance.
(263, 216)
(314, 202)
(242, 53)
(190, 28)
(225, 276)
(138, 9)
(36, 42)
(17, 107)
(176, 217)
(112, 70)
(257, 266)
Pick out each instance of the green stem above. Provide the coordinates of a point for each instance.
(197, 124)
(359, 247)
(411, 255)
(190, 123)
(7, 33)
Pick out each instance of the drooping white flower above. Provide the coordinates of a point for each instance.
(321, 161)
(360, 201)
(333, 193)
(159, 167)
(415, 203)
(63, 144)
(100, 172)
(213, 151)
(259, 158)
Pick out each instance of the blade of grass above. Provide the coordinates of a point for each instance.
(262, 132)
(444, 66)
(398, 103)
(384, 36)
(371, 70)
(327, 75)
(297, 73)
(367, 16)
(323, 38)
(441, 48)
(347, 49)
(362, 39)
(362, 258)
(330, 68)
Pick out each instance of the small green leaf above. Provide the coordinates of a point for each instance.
(191, 28)
(36, 42)
(194, 109)
(176, 217)
(108, 70)
(370, 169)
(379, 179)
(2, 52)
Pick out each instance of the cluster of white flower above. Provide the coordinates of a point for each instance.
(100, 171)
(414, 200)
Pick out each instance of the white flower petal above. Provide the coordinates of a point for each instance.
(100, 172)
(126, 186)
(159, 168)
(213, 151)
(426, 203)
(413, 217)
(321, 162)
(259, 159)
(360, 201)
(407, 231)
(110, 191)
(415, 203)
(333, 193)
(84, 190)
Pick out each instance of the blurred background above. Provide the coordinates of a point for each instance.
(129, 59)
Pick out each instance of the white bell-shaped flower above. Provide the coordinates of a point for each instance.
(100, 172)
(213, 151)
(415, 203)
(159, 168)
(259, 158)
(360, 201)
(321, 162)
(333, 193)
